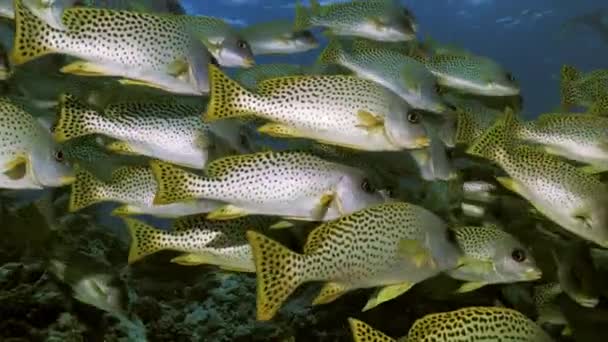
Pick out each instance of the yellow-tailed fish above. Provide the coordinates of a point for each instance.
(223, 41)
(492, 256)
(155, 50)
(392, 245)
(472, 74)
(220, 243)
(472, 120)
(337, 110)
(380, 20)
(290, 184)
(167, 131)
(578, 137)
(589, 90)
(405, 76)
(574, 200)
(278, 37)
(28, 153)
(134, 187)
(470, 324)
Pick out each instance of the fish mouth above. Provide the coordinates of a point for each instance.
(533, 274)
(422, 142)
(248, 62)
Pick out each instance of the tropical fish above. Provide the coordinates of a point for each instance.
(373, 19)
(134, 187)
(472, 119)
(220, 243)
(167, 131)
(366, 116)
(290, 184)
(468, 324)
(492, 256)
(29, 158)
(278, 37)
(152, 6)
(547, 309)
(589, 90)
(405, 76)
(472, 74)
(574, 200)
(223, 41)
(176, 63)
(249, 78)
(578, 137)
(49, 11)
(392, 245)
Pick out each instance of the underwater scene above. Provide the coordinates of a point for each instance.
(303, 170)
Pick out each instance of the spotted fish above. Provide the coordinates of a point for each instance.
(291, 184)
(278, 37)
(221, 243)
(337, 110)
(391, 245)
(588, 90)
(155, 50)
(134, 187)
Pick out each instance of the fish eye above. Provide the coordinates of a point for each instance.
(366, 186)
(518, 255)
(242, 44)
(413, 117)
(59, 156)
(510, 77)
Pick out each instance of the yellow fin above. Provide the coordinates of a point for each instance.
(362, 332)
(418, 253)
(196, 259)
(470, 286)
(475, 265)
(368, 120)
(280, 131)
(73, 119)
(279, 271)
(86, 190)
(31, 36)
(509, 183)
(141, 83)
(330, 292)
(228, 98)
(145, 239)
(84, 68)
(593, 170)
(282, 225)
(174, 183)
(17, 168)
(123, 210)
(121, 147)
(227, 212)
(387, 293)
(321, 209)
(178, 67)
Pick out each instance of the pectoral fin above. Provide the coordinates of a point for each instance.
(280, 131)
(227, 212)
(84, 68)
(387, 293)
(593, 169)
(140, 83)
(282, 225)
(321, 209)
(470, 286)
(509, 183)
(417, 253)
(475, 265)
(178, 68)
(369, 121)
(17, 168)
(121, 147)
(330, 292)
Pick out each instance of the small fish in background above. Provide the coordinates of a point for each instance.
(574, 200)
(473, 118)
(177, 63)
(220, 243)
(472, 74)
(278, 37)
(168, 131)
(587, 90)
(596, 20)
(469, 324)
(366, 117)
(575, 273)
(403, 75)
(392, 246)
(491, 256)
(29, 157)
(249, 78)
(379, 20)
(578, 137)
(134, 187)
(295, 185)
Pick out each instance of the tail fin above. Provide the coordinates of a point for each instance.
(303, 14)
(31, 33)
(279, 272)
(332, 53)
(228, 99)
(145, 239)
(362, 332)
(568, 91)
(600, 106)
(174, 183)
(492, 143)
(86, 190)
(73, 118)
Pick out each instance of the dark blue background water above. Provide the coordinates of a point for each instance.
(522, 35)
